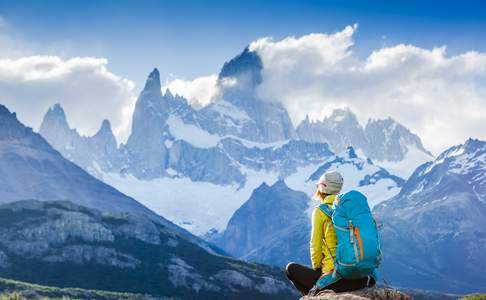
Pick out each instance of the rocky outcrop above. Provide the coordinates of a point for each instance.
(79, 247)
(372, 293)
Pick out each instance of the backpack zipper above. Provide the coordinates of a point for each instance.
(360, 243)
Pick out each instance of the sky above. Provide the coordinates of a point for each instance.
(95, 55)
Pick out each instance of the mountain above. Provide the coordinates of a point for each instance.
(32, 169)
(385, 141)
(359, 174)
(269, 227)
(340, 130)
(59, 219)
(273, 225)
(220, 152)
(226, 168)
(79, 247)
(434, 229)
(146, 148)
(99, 152)
(238, 81)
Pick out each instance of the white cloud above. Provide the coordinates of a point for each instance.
(84, 86)
(440, 97)
(199, 91)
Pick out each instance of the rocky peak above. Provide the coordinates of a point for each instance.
(56, 112)
(239, 78)
(246, 63)
(270, 211)
(151, 108)
(11, 128)
(168, 94)
(390, 140)
(105, 127)
(153, 81)
(105, 133)
(55, 118)
(473, 145)
(342, 116)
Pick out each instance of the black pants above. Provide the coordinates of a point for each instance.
(304, 278)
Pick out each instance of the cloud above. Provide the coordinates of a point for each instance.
(84, 86)
(440, 97)
(199, 91)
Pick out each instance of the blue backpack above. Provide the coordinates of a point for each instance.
(358, 252)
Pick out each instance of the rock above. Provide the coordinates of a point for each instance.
(371, 293)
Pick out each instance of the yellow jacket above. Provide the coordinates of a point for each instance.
(322, 230)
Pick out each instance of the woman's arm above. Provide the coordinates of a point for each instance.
(316, 238)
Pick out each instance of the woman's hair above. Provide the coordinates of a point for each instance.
(320, 196)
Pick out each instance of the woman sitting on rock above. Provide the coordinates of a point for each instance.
(323, 246)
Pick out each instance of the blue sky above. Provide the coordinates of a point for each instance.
(194, 38)
(409, 77)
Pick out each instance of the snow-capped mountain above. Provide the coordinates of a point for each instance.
(220, 152)
(273, 226)
(238, 81)
(340, 130)
(99, 151)
(434, 229)
(32, 169)
(359, 173)
(82, 232)
(165, 155)
(385, 141)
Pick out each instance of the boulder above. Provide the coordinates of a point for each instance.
(370, 293)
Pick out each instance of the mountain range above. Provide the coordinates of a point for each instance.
(225, 150)
(239, 174)
(434, 234)
(433, 231)
(62, 227)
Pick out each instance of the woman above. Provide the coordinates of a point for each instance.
(323, 245)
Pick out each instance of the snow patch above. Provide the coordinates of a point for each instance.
(376, 193)
(191, 134)
(404, 168)
(195, 206)
(225, 108)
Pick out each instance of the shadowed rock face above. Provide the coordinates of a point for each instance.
(270, 227)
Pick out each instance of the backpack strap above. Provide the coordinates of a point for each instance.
(326, 210)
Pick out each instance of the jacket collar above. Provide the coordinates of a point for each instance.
(328, 199)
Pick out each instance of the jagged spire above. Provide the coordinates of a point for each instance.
(153, 81)
(168, 94)
(56, 111)
(54, 116)
(105, 126)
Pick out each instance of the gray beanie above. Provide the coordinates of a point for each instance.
(330, 183)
